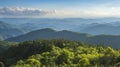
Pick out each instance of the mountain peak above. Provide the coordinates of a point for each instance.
(47, 29)
(44, 30)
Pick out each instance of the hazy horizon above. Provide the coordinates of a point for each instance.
(59, 8)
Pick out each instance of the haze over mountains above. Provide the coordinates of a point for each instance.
(96, 31)
(49, 34)
(8, 30)
(109, 40)
(59, 33)
(92, 26)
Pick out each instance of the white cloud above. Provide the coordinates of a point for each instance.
(94, 12)
(18, 12)
(23, 12)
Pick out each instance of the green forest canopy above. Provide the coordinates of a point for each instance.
(58, 53)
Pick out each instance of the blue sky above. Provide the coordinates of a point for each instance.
(61, 8)
(56, 4)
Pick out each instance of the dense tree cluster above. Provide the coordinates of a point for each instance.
(60, 53)
(4, 45)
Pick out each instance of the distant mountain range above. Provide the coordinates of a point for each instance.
(111, 40)
(97, 26)
(107, 28)
(9, 30)
(104, 30)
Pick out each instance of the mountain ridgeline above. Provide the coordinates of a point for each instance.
(47, 33)
(71, 42)
(95, 26)
(9, 30)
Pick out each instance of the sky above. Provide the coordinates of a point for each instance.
(59, 8)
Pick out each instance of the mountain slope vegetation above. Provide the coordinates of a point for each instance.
(47, 33)
(4, 45)
(58, 53)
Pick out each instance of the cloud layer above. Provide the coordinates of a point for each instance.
(22, 12)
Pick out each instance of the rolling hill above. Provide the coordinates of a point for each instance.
(1, 37)
(48, 33)
(107, 28)
(95, 26)
(111, 40)
(8, 30)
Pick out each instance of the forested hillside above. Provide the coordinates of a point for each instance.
(48, 33)
(59, 53)
(4, 45)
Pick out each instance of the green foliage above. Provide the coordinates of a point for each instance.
(33, 62)
(59, 53)
(4, 45)
(84, 62)
(65, 57)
